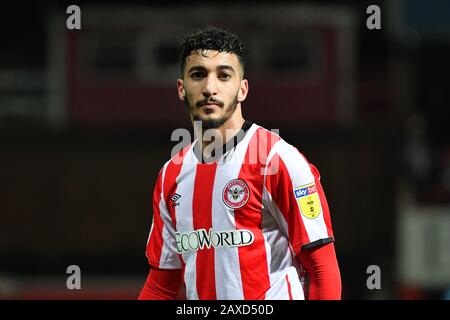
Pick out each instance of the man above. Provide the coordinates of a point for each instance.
(244, 221)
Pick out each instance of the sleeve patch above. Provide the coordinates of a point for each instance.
(308, 200)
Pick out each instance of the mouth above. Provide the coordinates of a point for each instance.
(210, 103)
(210, 107)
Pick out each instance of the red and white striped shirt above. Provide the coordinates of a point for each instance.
(234, 226)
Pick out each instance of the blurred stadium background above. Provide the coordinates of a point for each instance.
(86, 118)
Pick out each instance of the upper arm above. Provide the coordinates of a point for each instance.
(161, 246)
(296, 198)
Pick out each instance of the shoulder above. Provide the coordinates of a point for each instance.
(278, 147)
(175, 162)
(285, 158)
(288, 152)
(178, 157)
(263, 135)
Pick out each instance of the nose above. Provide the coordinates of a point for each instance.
(210, 86)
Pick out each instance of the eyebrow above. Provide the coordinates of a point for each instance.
(219, 67)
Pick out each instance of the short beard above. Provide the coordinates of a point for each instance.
(216, 123)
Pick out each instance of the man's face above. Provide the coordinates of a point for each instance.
(212, 86)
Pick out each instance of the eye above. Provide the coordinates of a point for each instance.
(197, 75)
(224, 76)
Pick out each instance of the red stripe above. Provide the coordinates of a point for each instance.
(202, 219)
(253, 258)
(289, 287)
(170, 182)
(168, 186)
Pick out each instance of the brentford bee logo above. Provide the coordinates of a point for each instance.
(236, 194)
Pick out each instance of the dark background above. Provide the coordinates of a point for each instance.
(86, 121)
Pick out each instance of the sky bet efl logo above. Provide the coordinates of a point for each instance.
(308, 200)
(199, 239)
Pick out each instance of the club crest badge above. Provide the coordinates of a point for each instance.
(236, 194)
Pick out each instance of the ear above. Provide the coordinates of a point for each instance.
(243, 90)
(180, 88)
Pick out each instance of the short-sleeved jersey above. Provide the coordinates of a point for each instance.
(235, 225)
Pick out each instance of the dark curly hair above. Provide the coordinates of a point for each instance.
(212, 38)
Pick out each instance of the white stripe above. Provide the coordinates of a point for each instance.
(296, 286)
(280, 289)
(268, 229)
(184, 217)
(276, 212)
(281, 262)
(161, 193)
(169, 258)
(226, 259)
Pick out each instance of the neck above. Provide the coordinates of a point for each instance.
(221, 134)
